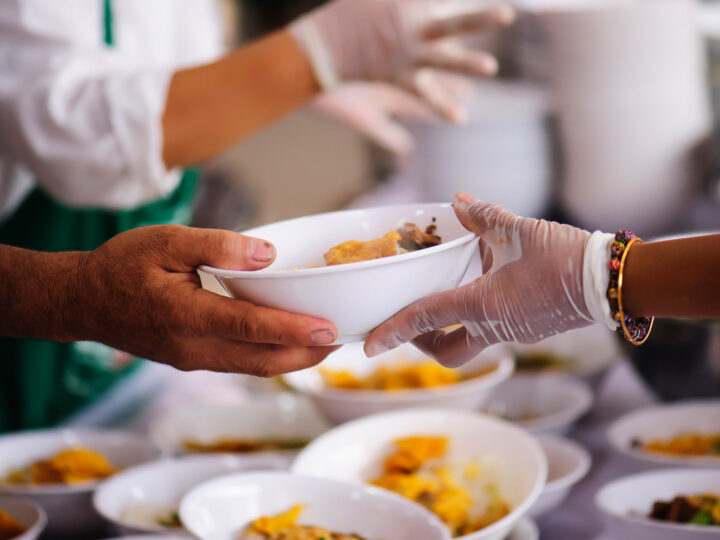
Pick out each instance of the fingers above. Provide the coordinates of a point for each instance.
(454, 57)
(428, 85)
(469, 21)
(451, 349)
(479, 216)
(431, 313)
(186, 248)
(215, 315)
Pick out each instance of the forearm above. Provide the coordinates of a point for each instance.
(211, 107)
(35, 293)
(675, 278)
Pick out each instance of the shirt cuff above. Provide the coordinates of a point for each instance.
(596, 277)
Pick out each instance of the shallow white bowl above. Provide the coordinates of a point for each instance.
(525, 529)
(355, 452)
(342, 405)
(161, 485)
(664, 422)
(356, 297)
(279, 416)
(69, 508)
(222, 508)
(628, 500)
(589, 352)
(568, 463)
(29, 515)
(545, 403)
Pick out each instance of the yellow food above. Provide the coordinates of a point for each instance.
(9, 528)
(356, 250)
(284, 527)
(416, 471)
(69, 466)
(399, 376)
(684, 444)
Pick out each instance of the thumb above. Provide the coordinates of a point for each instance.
(189, 248)
(480, 217)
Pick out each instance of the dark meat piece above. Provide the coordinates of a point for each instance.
(413, 238)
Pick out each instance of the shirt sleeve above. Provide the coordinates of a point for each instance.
(85, 119)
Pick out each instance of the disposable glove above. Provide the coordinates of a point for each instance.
(540, 278)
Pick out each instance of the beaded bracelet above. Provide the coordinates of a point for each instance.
(636, 330)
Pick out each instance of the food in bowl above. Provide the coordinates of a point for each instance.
(401, 375)
(9, 528)
(147, 515)
(405, 239)
(418, 469)
(703, 509)
(232, 445)
(74, 465)
(542, 361)
(684, 444)
(284, 527)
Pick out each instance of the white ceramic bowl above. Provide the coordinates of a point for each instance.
(158, 487)
(664, 422)
(222, 508)
(628, 500)
(29, 515)
(525, 529)
(589, 352)
(69, 508)
(355, 452)
(342, 405)
(568, 463)
(150, 537)
(279, 416)
(356, 297)
(546, 403)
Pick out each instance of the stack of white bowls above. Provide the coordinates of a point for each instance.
(501, 154)
(627, 80)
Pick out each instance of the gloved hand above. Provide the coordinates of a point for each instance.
(540, 278)
(399, 41)
(373, 109)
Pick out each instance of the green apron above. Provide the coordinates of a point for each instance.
(43, 382)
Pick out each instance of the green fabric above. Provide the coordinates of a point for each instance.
(43, 382)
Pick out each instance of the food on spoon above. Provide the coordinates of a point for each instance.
(407, 238)
(703, 509)
(69, 466)
(230, 445)
(401, 375)
(9, 528)
(420, 471)
(689, 444)
(284, 527)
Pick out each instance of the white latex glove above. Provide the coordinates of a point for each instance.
(399, 41)
(541, 278)
(374, 108)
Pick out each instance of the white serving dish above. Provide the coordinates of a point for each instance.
(161, 485)
(69, 507)
(355, 452)
(664, 422)
(278, 416)
(356, 297)
(222, 508)
(628, 500)
(343, 405)
(568, 463)
(29, 515)
(525, 529)
(544, 403)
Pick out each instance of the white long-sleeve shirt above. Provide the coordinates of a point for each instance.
(81, 119)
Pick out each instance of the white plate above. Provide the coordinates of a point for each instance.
(544, 403)
(628, 500)
(356, 297)
(355, 452)
(664, 422)
(279, 416)
(29, 515)
(221, 509)
(69, 508)
(343, 405)
(161, 485)
(568, 463)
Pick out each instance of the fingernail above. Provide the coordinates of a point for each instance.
(374, 349)
(261, 251)
(322, 337)
(462, 200)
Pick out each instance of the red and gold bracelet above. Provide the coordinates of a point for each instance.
(636, 330)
